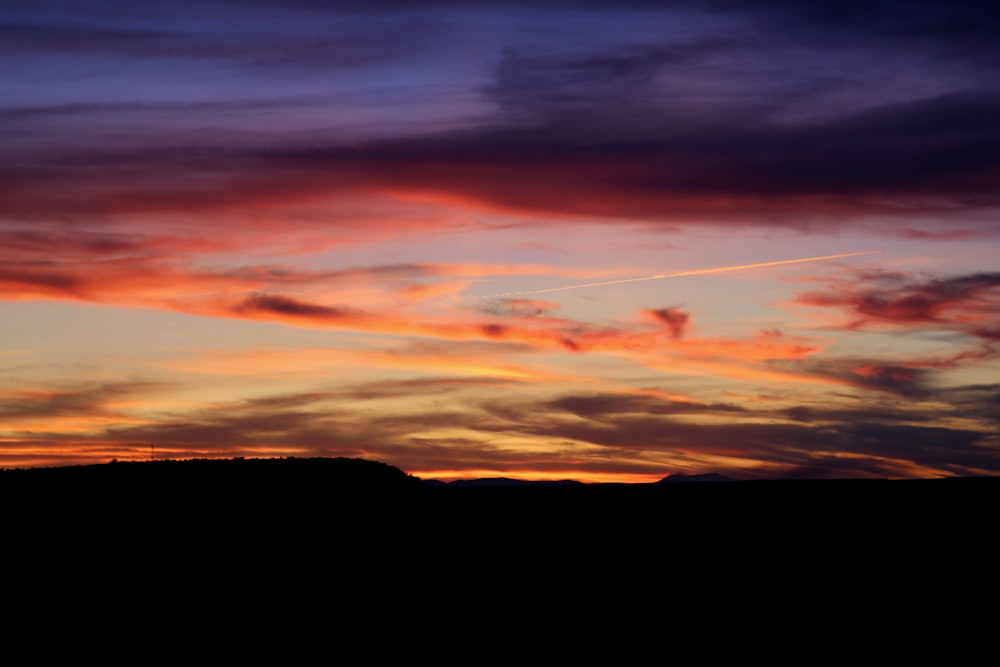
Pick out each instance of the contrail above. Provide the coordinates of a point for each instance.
(696, 272)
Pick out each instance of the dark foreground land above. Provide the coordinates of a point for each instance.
(298, 523)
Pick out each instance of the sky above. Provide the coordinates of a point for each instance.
(601, 241)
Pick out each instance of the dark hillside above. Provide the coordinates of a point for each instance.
(350, 473)
(308, 521)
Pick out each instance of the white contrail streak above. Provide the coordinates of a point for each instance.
(697, 272)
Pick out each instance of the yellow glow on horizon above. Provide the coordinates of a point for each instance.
(586, 477)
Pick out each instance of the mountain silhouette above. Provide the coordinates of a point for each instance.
(704, 477)
(305, 524)
(507, 481)
(298, 473)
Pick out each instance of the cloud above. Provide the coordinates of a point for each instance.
(92, 399)
(638, 433)
(608, 406)
(248, 39)
(222, 162)
(896, 378)
(935, 235)
(675, 319)
(514, 307)
(275, 304)
(39, 281)
(660, 339)
(975, 401)
(697, 124)
(253, 293)
(536, 86)
(534, 245)
(845, 440)
(473, 360)
(156, 273)
(710, 174)
(968, 304)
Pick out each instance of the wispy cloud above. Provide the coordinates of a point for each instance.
(968, 304)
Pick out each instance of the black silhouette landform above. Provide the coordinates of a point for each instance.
(301, 521)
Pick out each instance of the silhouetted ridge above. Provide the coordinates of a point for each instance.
(507, 481)
(704, 477)
(277, 475)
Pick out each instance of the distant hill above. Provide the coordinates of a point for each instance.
(704, 477)
(289, 475)
(194, 525)
(502, 481)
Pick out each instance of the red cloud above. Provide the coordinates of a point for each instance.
(675, 319)
(270, 304)
(969, 304)
(518, 307)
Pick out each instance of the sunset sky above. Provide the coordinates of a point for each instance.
(533, 239)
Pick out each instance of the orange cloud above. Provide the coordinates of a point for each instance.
(480, 359)
(966, 303)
